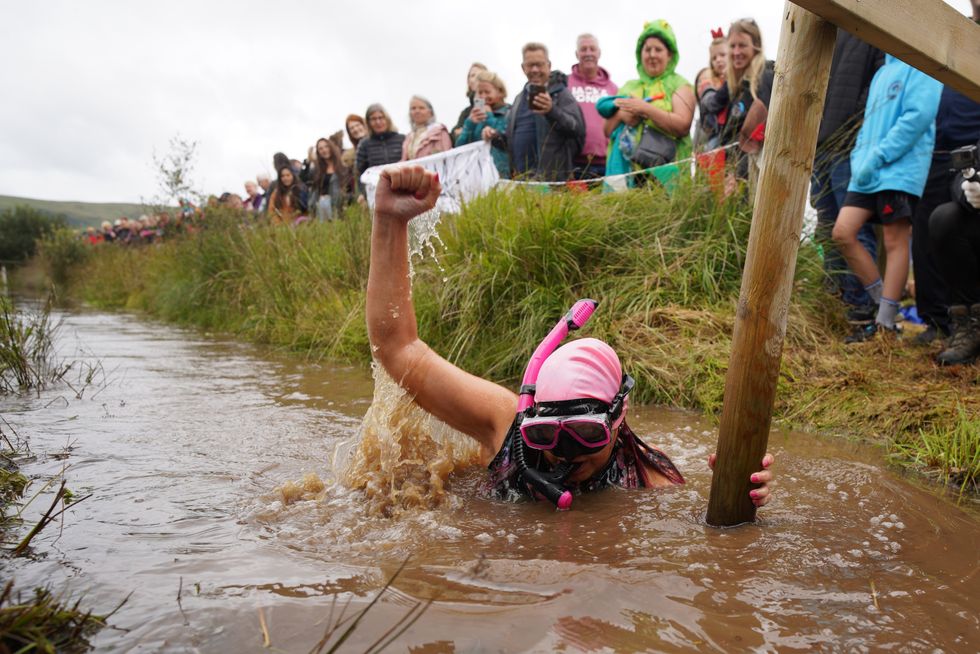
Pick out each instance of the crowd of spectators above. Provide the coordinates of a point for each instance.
(896, 168)
(883, 157)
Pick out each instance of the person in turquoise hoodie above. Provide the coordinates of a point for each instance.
(890, 162)
(488, 118)
(660, 100)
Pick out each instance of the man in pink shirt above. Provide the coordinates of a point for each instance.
(589, 82)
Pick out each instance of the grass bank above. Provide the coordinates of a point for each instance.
(666, 269)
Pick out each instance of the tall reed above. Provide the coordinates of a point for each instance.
(27, 357)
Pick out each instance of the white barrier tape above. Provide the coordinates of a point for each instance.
(465, 172)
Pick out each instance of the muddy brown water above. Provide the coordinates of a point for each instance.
(184, 442)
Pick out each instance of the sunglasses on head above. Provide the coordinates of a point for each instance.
(589, 422)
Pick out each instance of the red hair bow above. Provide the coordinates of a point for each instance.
(718, 33)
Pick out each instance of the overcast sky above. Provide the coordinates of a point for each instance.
(91, 89)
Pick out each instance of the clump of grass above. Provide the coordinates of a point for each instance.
(12, 482)
(951, 453)
(27, 358)
(12, 485)
(43, 622)
(301, 288)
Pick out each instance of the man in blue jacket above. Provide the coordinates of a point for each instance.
(889, 165)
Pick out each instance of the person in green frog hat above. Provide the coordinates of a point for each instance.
(660, 103)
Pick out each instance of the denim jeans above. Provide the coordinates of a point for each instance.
(828, 186)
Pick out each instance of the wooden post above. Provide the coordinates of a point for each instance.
(806, 45)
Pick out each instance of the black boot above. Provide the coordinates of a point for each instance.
(964, 346)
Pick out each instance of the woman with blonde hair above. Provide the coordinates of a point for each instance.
(707, 83)
(475, 69)
(488, 120)
(747, 91)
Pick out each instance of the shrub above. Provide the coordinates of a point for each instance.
(62, 252)
(20, 230)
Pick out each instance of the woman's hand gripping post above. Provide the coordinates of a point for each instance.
(760, 496)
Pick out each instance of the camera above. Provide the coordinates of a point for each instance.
(965, 161)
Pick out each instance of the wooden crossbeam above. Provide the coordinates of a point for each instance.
(927, 34)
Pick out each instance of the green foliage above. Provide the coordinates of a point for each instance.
(21, 227)
(27, 358)
(951, 452)
(62, 251)
(302, 288)
(175, 170)
(517, 261)
(44, 623)
(12, 485)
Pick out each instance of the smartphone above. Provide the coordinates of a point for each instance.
(533, 90)
(479, 103)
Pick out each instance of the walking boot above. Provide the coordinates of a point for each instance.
(964, 346)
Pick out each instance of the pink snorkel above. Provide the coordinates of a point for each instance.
(577, 316)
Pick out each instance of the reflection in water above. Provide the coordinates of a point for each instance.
(192, 447)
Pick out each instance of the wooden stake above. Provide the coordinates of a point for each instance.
(806, 46)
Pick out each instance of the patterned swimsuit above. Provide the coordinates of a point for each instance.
(624, 468)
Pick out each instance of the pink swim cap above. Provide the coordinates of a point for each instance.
(586, 368)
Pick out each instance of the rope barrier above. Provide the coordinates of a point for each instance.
(622, 176)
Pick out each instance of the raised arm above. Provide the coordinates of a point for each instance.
(474, 406)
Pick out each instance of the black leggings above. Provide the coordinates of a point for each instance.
(954, 241)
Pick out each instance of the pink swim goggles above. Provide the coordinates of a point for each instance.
(589, 422)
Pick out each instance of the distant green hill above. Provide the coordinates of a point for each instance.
(78, 214)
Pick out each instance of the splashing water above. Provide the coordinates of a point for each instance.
(402, 456)
(422, 236)
(310, 487)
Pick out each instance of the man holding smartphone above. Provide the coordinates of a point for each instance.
(545, 128)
